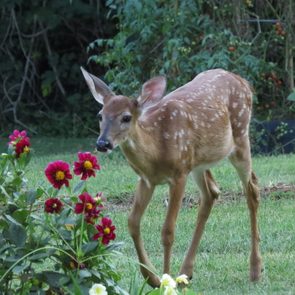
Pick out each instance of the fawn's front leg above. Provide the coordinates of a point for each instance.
(176, 195)
(143, 196)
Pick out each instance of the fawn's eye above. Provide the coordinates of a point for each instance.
(126, 118)
(99, 117)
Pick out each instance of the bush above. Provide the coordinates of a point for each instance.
(183, 38)
(62, 245)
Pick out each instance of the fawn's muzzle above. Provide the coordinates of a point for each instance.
(103, 145)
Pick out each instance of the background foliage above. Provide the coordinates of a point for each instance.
(43, 43)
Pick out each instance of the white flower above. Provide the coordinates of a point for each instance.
(170, 291)
(98, 289)
(182, 279)
(167, 281)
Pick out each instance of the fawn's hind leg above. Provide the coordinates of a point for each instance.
(241, 160)
(209, 192)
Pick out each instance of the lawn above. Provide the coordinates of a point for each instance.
(222, 260)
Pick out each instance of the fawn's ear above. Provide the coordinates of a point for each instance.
(152, 91)
(100, 91)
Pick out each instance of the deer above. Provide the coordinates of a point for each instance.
(166, 137)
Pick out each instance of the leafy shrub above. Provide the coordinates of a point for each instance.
(58, 246)
(183, 38)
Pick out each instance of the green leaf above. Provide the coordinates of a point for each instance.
(84, 273)
(96, 273)
(291, 96)
(17, 234)
(31, 197)
(41, 255)
(155, 292)
(21, 215)
(39, 192)
(114, 246)
(53, 278)
(12, 220)
(3, 223)
(86, 248)
(20, 268)
(5, 247)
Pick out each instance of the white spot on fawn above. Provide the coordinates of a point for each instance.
(235, 104)
(241, 112)
(132, 144)
(174, 113)
(166, 135)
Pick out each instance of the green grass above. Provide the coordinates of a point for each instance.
(222, 260)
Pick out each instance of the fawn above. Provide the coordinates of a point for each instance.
(164, 138)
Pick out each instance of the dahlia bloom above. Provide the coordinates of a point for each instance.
(89, 207)
(58, 173)
(53, 205)
(20, 142)
(87, 204)
(105, 231)
(86, 165)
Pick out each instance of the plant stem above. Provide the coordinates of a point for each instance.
(81, 239)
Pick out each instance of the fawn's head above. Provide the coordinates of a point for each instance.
(119, 113)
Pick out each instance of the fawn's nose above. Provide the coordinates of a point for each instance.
(103, 145)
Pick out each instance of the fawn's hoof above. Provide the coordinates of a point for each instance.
(255, 272)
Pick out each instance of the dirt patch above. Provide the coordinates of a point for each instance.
(276, 192)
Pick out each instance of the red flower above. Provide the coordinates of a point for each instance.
(87, 204)
(53, 205)
(105, 231)
(20, 142)
(86, 165)
(89, 207)
(58, 173)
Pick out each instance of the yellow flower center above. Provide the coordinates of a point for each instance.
(87, 165)
(26, 149)
(89, 206)
(107, 230)
(54, 205)
(59, 175)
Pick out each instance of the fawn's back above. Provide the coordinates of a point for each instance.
(197, 124)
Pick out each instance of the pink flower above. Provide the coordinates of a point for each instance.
(89, 207)
(105, 231)
(86, 165)
(20, 142)
(53, 205)
(58, 173)
(16, 134)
